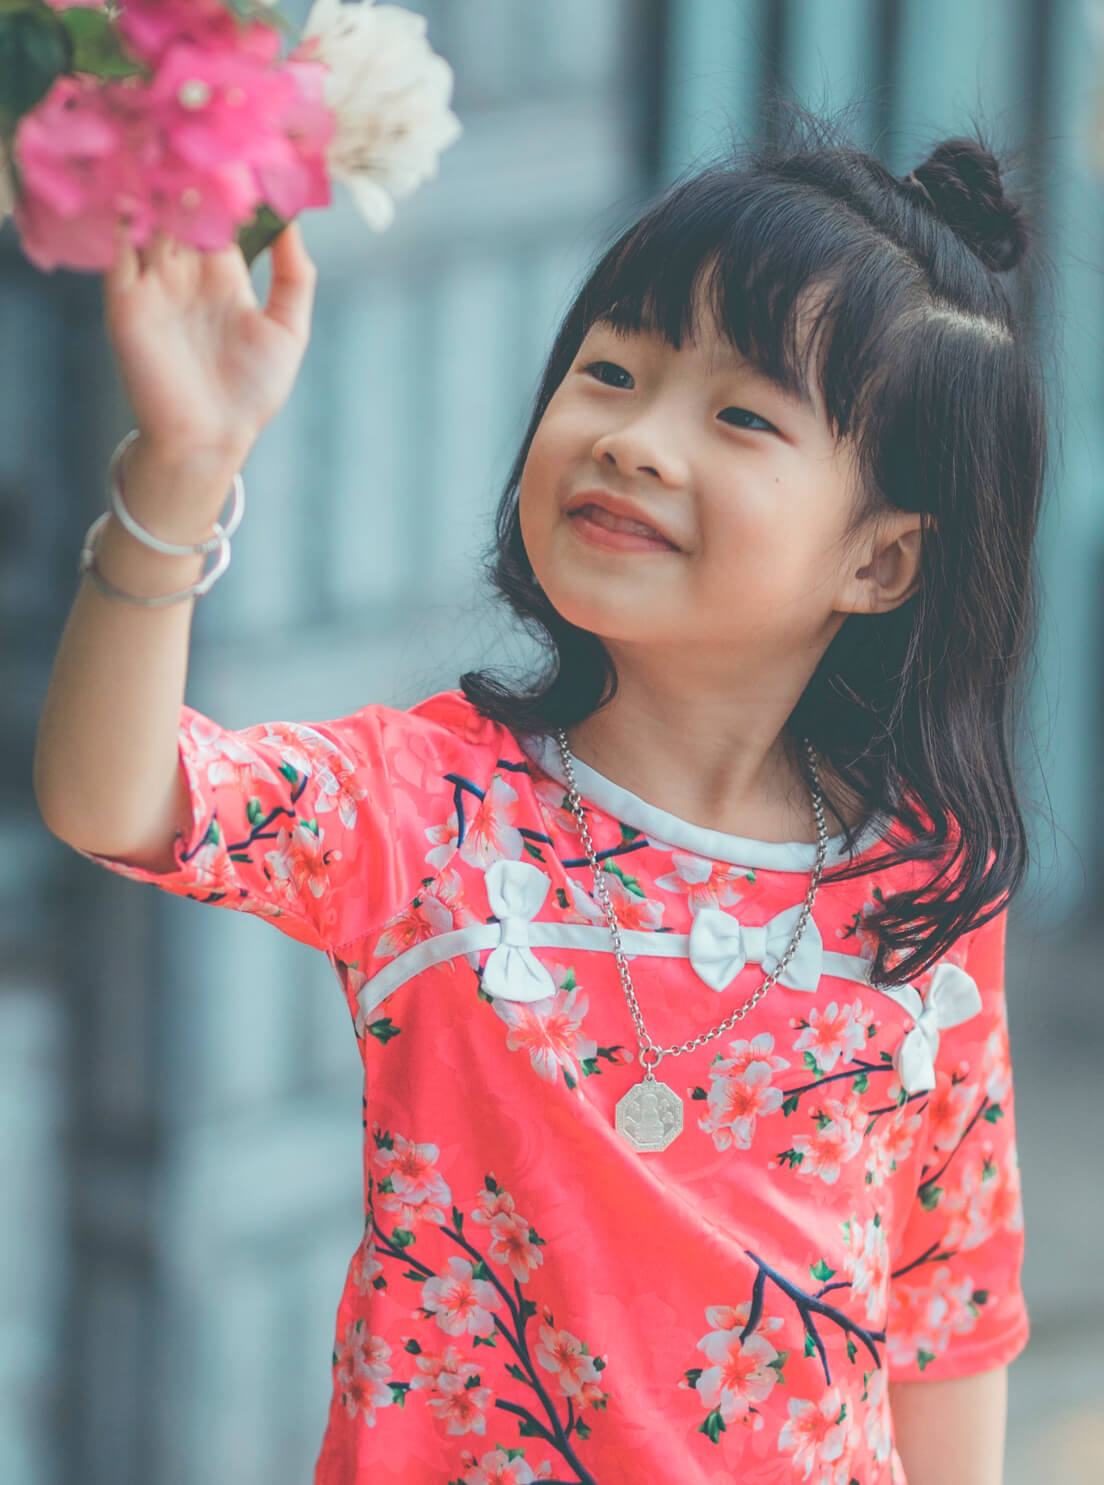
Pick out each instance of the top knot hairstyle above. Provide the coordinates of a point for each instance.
(961, 183)
(923, 367)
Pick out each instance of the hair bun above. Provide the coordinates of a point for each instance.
(962, 184)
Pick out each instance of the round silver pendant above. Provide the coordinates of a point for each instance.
(649, 1115)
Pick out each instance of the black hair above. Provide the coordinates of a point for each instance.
(922, 363)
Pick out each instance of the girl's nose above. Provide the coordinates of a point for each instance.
(639, 447)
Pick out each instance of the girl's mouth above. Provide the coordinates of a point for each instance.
(602, 528)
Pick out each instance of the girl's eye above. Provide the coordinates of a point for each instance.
(611, 366)
(619, 369)
(748, 413)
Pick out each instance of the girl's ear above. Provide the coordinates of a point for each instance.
(892, 573)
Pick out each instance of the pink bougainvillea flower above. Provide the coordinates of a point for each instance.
(307, 127)
(82, 164)
(217, 107)
(151, 27)
(203, 208)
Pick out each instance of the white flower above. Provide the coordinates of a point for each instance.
(390, 93)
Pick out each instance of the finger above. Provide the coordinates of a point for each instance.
(294, 276)
(157, 253)
(125, 270)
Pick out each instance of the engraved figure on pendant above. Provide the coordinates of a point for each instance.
(649, 1116)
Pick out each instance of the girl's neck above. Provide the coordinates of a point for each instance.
(726, 767)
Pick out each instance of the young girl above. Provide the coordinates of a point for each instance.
(677, 971)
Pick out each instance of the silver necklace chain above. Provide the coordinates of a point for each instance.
(602, 892)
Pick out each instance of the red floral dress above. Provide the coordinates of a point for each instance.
(533, 1298)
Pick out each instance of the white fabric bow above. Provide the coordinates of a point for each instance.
(515, 891)
(953, 997)
(720, 946)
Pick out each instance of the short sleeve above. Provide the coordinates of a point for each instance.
(291, 821)
(956, 1302)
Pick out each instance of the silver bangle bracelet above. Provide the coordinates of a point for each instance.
(168, 548)
(86, 567)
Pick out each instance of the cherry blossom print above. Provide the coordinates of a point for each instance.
(736, 1102)
(986, 1200)
(740, 1373)
(817, 1434)
(923, 1319)
(338, 786)
(368, 1268)
(425, 918)
(890, 1145)
(705, 883)
(878, 1424)
(949, 1108)
(501, 1467)
(450, 1381)
(630, 907)
(996, 1065)
(444, 839)
(833, 1032)
(460, 1302)
(411, 1188)
(512, 1243)
(563, 1354)
(550, 1030)
(361, 1373)
(838, 1136)
(299, 862)
(859, 936)
(492, 833)
(743, 1054)
(867, 1263)
(557, 809)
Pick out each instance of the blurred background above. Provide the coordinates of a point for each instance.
(180, 1102)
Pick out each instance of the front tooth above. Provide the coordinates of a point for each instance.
(603, 517)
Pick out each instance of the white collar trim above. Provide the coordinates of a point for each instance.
(671, 830)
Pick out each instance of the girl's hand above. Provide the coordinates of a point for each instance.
(204, 367)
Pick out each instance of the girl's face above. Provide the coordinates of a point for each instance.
(746, 493)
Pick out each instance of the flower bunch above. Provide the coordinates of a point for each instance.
(188, 117)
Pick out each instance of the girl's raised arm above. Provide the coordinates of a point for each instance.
(205, 368)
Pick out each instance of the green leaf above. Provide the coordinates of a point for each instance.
(861, 1083)
(383, 1029)
(34, 52)
(929, 1197)
(96, 44)
(993, 1113)
(923, 1358)
(821, 1271)
(851, 1352)
(811, 1063)
(712, 1425)
(256, 235)
(789, 1106)
(810, 1345)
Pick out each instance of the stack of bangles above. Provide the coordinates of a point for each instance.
(220, 539)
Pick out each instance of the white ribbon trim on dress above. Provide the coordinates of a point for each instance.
(953, 997)
(516, 892)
